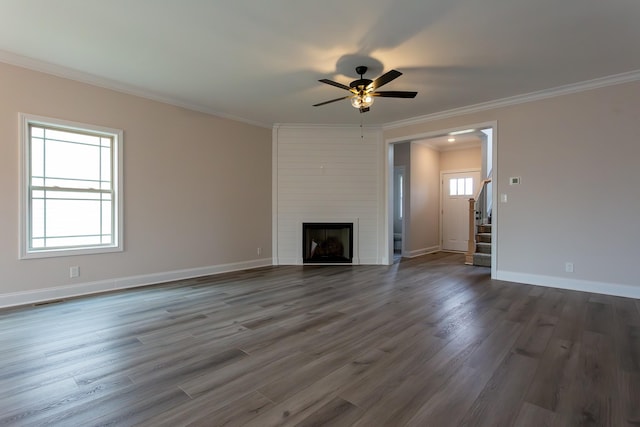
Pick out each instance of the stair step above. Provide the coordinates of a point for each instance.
(483, 260)
(483, 248)
(483, 237)
(484, 228)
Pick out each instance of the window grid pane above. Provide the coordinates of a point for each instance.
(468, 185)
(72, 191)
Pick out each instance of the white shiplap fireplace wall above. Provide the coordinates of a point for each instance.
(328, 174)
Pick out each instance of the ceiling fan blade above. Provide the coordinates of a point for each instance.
(384, 79)
(395, 94)
(336, 84)
(333, 100)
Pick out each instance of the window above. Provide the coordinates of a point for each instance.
(71, 188)
(400, 196)
(461, 187)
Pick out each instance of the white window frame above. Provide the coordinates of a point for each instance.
(26, 252)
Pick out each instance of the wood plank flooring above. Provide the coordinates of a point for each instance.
(425, 342)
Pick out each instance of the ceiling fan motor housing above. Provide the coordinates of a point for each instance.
(360, 83)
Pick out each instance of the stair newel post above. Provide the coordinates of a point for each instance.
(471, 247)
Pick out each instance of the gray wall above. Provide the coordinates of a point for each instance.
(197, 190)
(579, 199)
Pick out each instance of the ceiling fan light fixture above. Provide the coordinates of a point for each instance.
(363, 91)
(363, 100)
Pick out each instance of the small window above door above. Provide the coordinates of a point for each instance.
(461, 186)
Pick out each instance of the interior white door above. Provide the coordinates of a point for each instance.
(457, 189)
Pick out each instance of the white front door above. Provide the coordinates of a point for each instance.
(457, 189)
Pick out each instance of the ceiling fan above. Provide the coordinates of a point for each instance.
(363, 90)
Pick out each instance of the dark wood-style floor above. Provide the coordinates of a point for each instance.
(426, 342)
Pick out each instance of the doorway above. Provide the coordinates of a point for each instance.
(486, 134)
(399, 210)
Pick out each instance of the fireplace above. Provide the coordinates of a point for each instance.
(327, 242)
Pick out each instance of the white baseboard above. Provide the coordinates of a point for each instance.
(289, 261)
(68, 291)
(615, 289)
(420, 252)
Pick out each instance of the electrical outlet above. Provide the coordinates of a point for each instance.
(74, 271)
(568, 267)
(259, 251)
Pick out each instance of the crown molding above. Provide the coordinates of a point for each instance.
(94, 80)
(324, 126)
(630, 76)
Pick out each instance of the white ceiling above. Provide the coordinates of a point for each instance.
(444, 143)
(260, 61)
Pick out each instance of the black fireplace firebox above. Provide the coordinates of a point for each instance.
(327, 242)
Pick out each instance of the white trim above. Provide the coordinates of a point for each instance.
(68, 291)
(25, 169)
(387, 196)
(420, 252)
(463, 170)
(382, 255)
(328, 126)
(495, 209)
(615, 289)
(274, 194)
(630, 76)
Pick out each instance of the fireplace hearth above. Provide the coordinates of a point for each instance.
(327, 242)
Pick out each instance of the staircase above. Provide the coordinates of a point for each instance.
(482, 254)
(479, 247)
